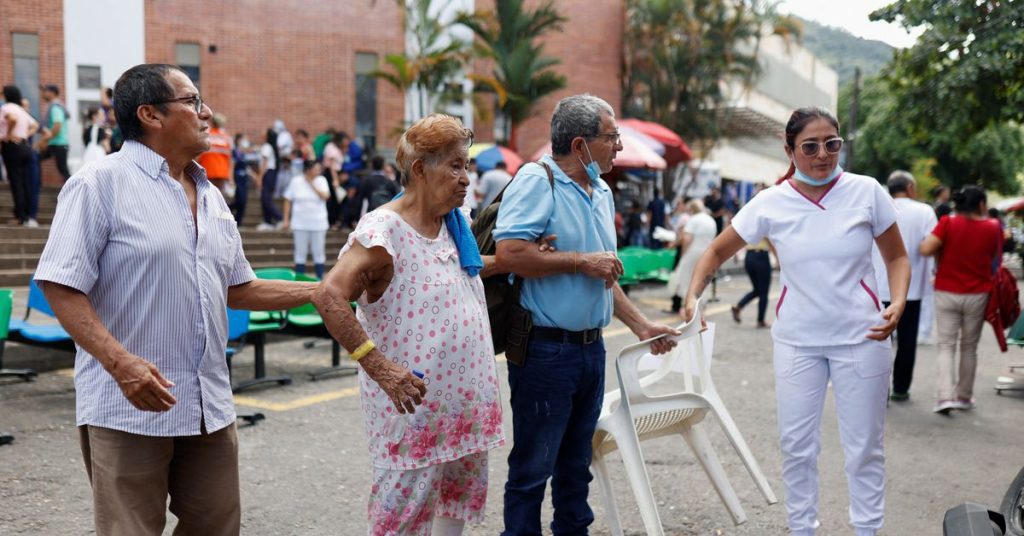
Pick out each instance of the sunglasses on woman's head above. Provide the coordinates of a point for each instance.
(832, 146)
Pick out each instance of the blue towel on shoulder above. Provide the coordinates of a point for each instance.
(465, 241)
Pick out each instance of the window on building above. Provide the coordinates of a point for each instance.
(88, 77)
(26, 68)
(186, 56)
(366, 99)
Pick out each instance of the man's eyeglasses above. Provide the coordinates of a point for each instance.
(195, 101)
(614, 137)
(832, 146)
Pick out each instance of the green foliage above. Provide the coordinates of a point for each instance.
(956, 97)
(522, 73)
(680, 55)
(434, 66)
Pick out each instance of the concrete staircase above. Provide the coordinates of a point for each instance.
(20, 247)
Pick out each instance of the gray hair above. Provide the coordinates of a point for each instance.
(899, 181)
(574, 117)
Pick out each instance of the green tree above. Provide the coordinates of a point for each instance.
(522, 74)
(435, 64)
(681, 55)
(958, 93)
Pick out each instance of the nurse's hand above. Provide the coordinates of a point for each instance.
(688, 310)
(891, 315)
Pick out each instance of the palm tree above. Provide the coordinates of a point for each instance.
(522, 73)
(680, 56)
(433, 65)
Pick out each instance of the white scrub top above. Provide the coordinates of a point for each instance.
(829, 290)
(916, 221)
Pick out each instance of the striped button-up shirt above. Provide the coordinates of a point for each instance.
(123, 235)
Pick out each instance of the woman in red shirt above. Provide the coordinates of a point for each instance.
(968, 245)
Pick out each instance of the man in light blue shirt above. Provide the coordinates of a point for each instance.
(571, 295)
(143, 258)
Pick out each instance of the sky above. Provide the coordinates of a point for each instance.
(851, 15)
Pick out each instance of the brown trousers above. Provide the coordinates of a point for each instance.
(132, 475)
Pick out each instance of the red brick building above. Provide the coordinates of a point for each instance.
(590, 49)
(294, 60)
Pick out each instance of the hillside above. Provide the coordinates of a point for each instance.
(843, 51)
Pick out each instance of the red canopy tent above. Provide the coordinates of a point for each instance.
(676, 150)
(634, 154)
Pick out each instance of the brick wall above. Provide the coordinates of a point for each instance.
(46, 19)
(590, 49)
(288, 59)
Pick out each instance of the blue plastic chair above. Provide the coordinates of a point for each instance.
(26, 332)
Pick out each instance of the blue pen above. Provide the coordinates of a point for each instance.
(418, 373)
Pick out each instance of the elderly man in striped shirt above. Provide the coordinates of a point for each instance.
(142, 259)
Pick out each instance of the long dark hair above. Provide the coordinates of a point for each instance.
(968, 200)
(797, 122)
(272, 141)
(12, 94)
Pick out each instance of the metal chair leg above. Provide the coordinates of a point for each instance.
(336, 367)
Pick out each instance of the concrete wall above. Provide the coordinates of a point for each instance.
(105, 33)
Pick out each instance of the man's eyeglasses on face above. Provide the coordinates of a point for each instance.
(195, 101)
(614, 137)
(832, 146)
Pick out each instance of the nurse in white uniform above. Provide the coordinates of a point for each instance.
(829, 324)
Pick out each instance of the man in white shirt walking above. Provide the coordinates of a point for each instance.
(916, 221)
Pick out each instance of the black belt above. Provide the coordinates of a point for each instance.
(588, 336)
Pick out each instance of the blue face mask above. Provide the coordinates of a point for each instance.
(593, 170)
(800, 176)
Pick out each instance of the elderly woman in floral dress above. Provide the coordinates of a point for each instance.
(415, 270)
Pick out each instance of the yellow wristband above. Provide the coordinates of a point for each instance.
(363, 349)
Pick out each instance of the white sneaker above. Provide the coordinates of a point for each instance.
(965, 405)
(944, 406)
(32, 223)
(278, 226)
(264, 227)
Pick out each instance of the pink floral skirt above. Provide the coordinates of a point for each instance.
(406, 501)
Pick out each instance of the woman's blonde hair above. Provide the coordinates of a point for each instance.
(695, 206)
(430, 139)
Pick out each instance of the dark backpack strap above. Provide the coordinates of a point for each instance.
(517, 282)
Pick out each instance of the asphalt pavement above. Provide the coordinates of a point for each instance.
(305, 469)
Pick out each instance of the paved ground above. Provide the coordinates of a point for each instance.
(305, 469)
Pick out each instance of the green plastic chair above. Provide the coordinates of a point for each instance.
(6, 305)
(261, 323)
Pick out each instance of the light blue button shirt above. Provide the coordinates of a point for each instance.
(123, 235)
(529, 210)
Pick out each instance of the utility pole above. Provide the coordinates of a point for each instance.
(852, 123)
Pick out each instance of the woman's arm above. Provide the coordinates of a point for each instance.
(897, 265)
(362, 270)
(720, 250)
(285, 219)
(931, 245)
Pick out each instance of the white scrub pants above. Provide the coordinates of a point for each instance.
(307, 242)
(860, 379)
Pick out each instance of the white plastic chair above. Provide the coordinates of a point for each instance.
(626, 421)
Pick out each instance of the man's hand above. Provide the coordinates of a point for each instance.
(142, 384)
(603, 265)
(547, 243)
(405, 390)
(649, 330)
(688, 311)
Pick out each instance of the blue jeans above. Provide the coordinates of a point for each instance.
(556, 399)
